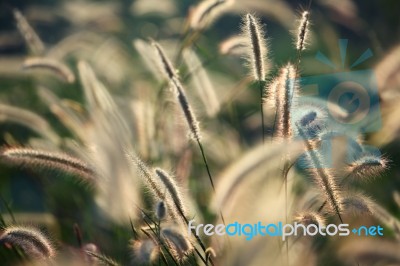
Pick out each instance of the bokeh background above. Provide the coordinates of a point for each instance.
(102, 32)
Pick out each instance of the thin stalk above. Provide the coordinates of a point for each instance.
(285, 173)
(209, 174)
(260, 87)
(206, 163)
(160, 244)
(340, 184)
(8, 208)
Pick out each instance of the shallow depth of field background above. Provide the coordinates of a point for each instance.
(57, 202)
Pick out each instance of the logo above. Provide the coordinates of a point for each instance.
(249, 231)
(346, 102)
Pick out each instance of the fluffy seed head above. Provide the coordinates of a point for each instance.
(177, 87)
(165, 64)
(32, 242)
(357, 204)
(187, 111)
(33, 41)
(302, 31)
(310, 117)
(148, 176)
(256, 46)
(49, 160)
(58, 68)
(144, 251)
(307, 218)
(285, 97)
(161, 210)
(323, 176)
(367, 166)
(172, 188)
(178, 242)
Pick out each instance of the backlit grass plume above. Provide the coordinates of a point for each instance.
(33, 158)
(358, 204)
(256, 46)
(161, 210)
(177, 87)
(323, 176)
(173, 190)
(148, 176)
(54, 66)
(285, 95)
(31, 241)
(170, 73)
(154, 185)
(256, 56)
(307, 218)
(145, 251)
(179, 243)
(302, 32)
(33, 41)
(367, 166)
(311, 118)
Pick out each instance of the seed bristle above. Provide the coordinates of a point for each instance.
(32, 242)
(256, 45)
(49, 160)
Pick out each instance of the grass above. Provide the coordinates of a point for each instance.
(106, 119)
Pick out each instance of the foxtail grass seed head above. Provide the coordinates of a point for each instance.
(302, 31)
(311, 118)
(188, 113)
(357, 204)
(207, 12)
(144, 251)
(148, 176)
(368, 166)
(179, 243)
(30, 240)
(177, 87)
(172, 189)
(256, 46)
(58, 68)
(165, 64)
(161, 210)
(307, 218)
(269, 94)
(33, 158)
(33, 41)
(286, 96)
(323, 176)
